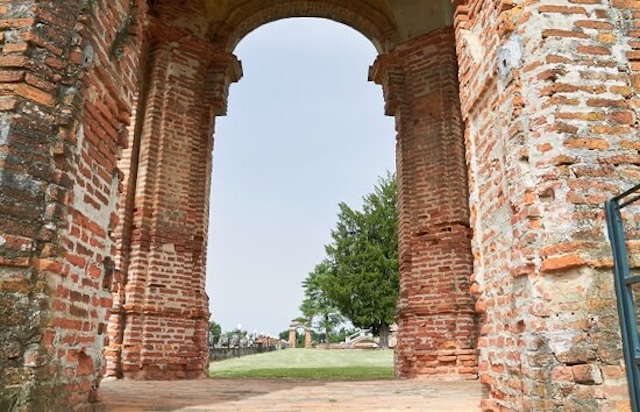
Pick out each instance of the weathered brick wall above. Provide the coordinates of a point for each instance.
(161, 317)
(551, 133)
(549, 104)
(128, 163)
(435, 315)
(67, 75)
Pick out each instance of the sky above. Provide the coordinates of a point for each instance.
(305, 131)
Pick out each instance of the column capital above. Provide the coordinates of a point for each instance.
(388, 73)
(223, 70)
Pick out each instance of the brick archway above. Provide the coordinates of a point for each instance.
(525, 99)
(293, 333)
(370, 22)
(436, 335)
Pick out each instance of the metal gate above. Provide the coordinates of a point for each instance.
(626, 285)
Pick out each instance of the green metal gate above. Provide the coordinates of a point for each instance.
(624, 283)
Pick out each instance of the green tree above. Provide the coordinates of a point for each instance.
(284, 335)
(362, 279)
(316, 306)
(214, 331)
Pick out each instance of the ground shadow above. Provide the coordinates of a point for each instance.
(166, 396)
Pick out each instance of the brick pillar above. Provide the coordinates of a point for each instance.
(550, 96)
(163, 318)
(292, 338)
(128, 166)
(67, 76)
(307, 338)
(435, 313)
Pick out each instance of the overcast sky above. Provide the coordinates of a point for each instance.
(305, 130)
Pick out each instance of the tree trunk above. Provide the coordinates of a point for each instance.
(384, 336)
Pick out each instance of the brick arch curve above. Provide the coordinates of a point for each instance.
(373, 23)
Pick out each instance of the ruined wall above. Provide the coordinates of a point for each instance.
(435, 313)
(67, 76)
(550, 107)
(160, 319)
(549, 104)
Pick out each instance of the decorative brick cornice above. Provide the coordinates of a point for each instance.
(224, 69)
(388, 73)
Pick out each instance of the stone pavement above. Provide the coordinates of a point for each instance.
(289, 395)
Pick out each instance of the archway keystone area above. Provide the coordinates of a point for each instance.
(515, 121)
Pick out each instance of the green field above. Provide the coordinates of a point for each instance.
(309, 364)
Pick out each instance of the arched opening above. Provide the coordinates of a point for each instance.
(181, 62)
(299, 334)
(372, 23)
(190, 79)
(305, 130)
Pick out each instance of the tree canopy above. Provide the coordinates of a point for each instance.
(215, 331)
(359, 276)
(316, 306)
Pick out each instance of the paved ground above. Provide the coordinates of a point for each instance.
(261, 395)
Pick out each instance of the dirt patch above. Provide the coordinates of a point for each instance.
(287, 395)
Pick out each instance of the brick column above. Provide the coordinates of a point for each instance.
(293, 338)
(307, 338)
(162, 319)
(550, 96)
(435, 313)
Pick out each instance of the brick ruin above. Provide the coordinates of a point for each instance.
(515, 121)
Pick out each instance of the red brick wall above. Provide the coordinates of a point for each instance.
(547, 113)
(128, 164)
(160, 330)
(548, 140)
(67, 72)
(436, 317)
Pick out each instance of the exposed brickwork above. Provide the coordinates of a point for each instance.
(549, 138)
(67, 76)
(160, 330)
(436, 316)
(370, 21)
(106, 124)
(128, 164)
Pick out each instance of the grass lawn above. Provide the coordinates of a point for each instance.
(310, 364)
